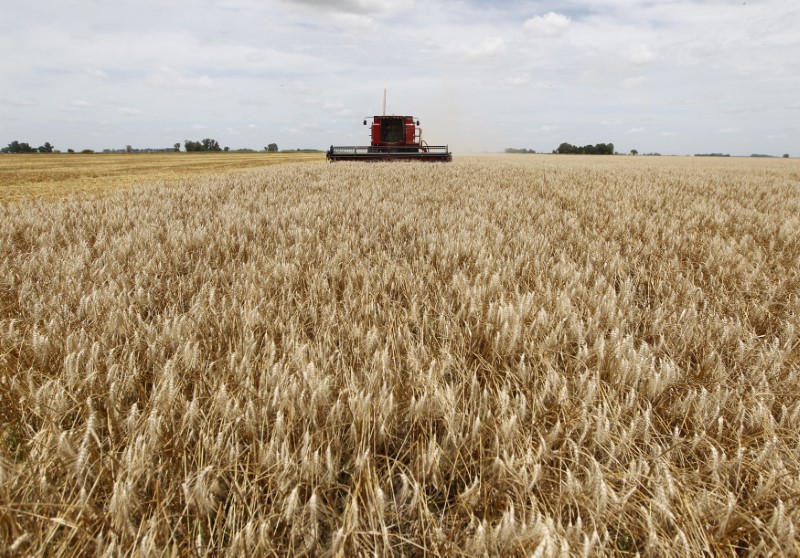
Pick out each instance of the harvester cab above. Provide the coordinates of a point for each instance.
(392, 138)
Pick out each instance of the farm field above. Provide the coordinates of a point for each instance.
(519, 355)
(58, 175)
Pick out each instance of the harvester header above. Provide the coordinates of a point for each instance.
(392, 138)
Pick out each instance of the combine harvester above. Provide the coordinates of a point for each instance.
(394, 138)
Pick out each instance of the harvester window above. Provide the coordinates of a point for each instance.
(392, 130)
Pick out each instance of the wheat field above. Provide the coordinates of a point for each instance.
(535, 355)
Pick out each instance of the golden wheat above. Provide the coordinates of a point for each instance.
(54, 176)
(500, 356)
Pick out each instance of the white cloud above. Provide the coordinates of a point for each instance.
(254, 102)
(129, 111)
(636, 130)
(550, 24)
(332, 108)
(255, 56)
(350, 6)
(518, 80)
(169, 78)
(641, 54)
(633, 81)
(488, 46)
(95, 72)
(302, 88)
(18, 102)
(337, 109)
(752, 107)
(353, 21)
(80, 105)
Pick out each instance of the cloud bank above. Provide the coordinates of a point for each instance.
(674, 77)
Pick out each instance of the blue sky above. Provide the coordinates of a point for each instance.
(676, 77)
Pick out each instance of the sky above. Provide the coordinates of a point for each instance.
(673, 76)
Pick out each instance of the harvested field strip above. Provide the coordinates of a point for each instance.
(57, 176)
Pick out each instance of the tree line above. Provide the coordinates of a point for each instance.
(207, 144)
(22, 147)
(599, 149)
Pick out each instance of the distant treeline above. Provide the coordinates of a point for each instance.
(130, 149)
(22, 147)
(599, 149)
(515, 150)
(712, 154)
(207, 144)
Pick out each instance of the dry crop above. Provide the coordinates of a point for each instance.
(500, 356)
(59, 175)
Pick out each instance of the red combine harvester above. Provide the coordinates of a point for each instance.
(393, 138)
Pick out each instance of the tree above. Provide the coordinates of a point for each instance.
(211, 145)
(177, 146)
(226, 149)
(785, 155)
(207, 144)
(70, 150)
(20, 147)
(634, 152)
(128, 149)
(272, 148)
(599, 149)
